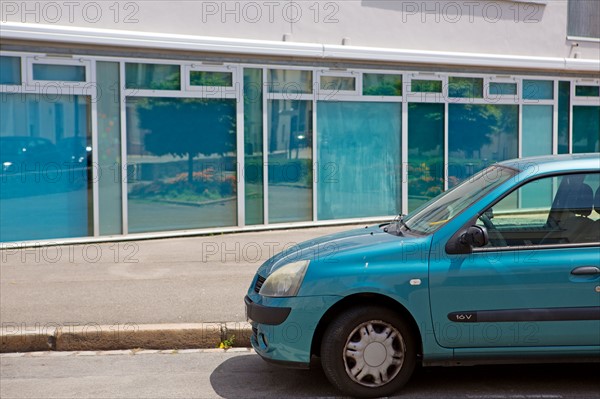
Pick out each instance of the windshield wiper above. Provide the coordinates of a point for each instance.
(401, 222)
(397, 223)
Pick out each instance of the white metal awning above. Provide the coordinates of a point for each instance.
(148, 40)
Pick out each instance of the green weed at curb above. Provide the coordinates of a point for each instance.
(227, 343)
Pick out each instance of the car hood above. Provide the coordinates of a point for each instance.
(331, 249)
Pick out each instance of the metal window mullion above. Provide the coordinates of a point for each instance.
(355, 98)
(162, 93)
(446, 102)
(571, 113)
(521, 109)
(265, 112)
(314, 163)
(241, 161)
(404, 158)
(288, 97)
(16, 89)
(95, 161)
(24, 71)
(123, 163)
(555, 118)
(446, 158)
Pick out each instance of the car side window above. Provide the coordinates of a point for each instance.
(549, 211)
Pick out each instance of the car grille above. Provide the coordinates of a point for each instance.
(255, 333)
(259, 283)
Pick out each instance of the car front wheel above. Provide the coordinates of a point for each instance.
(368, 352)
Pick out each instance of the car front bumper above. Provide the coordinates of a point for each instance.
(283, 328)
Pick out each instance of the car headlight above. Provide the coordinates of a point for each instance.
(286, 281)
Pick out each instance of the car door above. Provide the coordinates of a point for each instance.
(537, 282)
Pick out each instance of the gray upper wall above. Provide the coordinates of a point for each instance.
(527, 28)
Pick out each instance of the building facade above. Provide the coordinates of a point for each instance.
(143, 119)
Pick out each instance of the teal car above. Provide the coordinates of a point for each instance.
(503, 268)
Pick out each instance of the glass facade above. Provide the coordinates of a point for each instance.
(537, 122)
(359, 172)
(207, 78)
(253, 146)
(338, 83)
(109, 148)
(180, 175)
(502, 89)
(377, 84)
(564, 116)
(152, 76)
(123, 146)
(290, 164)
(463, 87)
(45, 155)
(64, 73)
(425, 152)
(586, 131)
(538, 89)
(10, 70)
(478, 136)
(290, 81)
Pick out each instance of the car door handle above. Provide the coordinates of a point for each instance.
(586, 271)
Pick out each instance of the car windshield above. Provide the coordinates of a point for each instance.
(437, 212)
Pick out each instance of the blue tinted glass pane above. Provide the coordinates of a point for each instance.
(109, 147)
(537, 130)
(587, 91)
(478, 136)
(538, 89)
(338, 83)
(586, 129)
(290, 161)
(537, 140)
(290, 81)
(503, 89)
(564, 111)
(425, 152)
(206, 78)
(181, 175)
(375, 84)
(465, 87)
(253, 145)
(359, 159)
(426, 86)
(10, 70)
(45, 167)
(66, 73)
(152, 76)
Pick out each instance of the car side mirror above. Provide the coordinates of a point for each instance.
(463, 242)
(475, 237)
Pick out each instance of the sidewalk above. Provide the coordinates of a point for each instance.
(171, 281)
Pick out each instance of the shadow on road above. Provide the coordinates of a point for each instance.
(250, 377)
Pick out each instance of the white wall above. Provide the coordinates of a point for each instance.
(531, 28)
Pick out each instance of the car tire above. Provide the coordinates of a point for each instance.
(368, 352)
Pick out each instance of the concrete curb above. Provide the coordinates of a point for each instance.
(93, 337)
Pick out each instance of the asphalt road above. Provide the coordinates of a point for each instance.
(177, 280)
(218, 374)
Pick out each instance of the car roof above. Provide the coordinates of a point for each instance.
(555, 163)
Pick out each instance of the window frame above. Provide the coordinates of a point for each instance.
(487, 84)
(29, 80)
(575, 37)
(211, 91)
(473, 220)
(584, 100)
(328, 95)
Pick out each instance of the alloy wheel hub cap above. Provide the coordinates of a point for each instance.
(374, 353)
